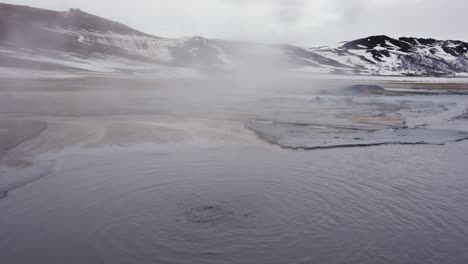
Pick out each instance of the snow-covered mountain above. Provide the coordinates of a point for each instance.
(408, 56)
(35, 38)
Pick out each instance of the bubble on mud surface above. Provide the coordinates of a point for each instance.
(207, 213)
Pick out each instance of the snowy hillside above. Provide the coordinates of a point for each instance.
(77, 41)
(404, 56)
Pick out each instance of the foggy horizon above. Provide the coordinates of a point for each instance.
(295, 22)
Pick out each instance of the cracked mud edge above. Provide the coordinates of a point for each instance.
(348, 127)
(265, 138)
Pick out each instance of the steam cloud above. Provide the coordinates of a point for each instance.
(300, 22)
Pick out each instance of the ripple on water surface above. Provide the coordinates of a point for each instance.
(245, 205)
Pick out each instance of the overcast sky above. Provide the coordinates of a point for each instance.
(301, 22)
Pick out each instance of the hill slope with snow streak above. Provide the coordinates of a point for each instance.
(383, 55)
(78, 41)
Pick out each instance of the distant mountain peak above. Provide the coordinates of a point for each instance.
(74, 10)
(76, 35)
(378, 41)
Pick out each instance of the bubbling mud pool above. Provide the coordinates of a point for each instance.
(160, 175)
(238, 205)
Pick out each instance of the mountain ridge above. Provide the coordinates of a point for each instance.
(77, 40)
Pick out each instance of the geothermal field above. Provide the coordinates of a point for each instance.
(233, 170)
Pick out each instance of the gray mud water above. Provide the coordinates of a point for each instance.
(14, 132)
(145, 171)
